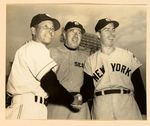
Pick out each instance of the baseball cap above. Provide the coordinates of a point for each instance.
(74, 24)
(103, 22)
(43, 17)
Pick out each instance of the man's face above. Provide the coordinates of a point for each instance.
(107, 35)
(44, 32)
(73, 37)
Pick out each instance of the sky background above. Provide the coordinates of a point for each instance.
(131, 32)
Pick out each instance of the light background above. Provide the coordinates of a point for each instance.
(21, 33)
(131, 33)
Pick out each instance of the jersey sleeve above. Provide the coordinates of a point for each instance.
(54, 53)
(39, 61)
(135, 62)
(87, 66)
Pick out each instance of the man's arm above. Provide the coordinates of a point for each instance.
(57, 93)
(140, 94)
(87, 89)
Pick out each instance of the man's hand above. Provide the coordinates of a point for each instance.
(77, 103)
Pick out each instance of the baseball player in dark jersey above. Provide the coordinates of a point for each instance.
(70, 71)
(32, 68)
(112, 74)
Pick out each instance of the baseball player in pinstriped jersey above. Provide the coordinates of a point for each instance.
(116, 76)
(32, 68)
(70, 71)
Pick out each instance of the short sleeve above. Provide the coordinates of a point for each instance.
(135, 62)
(38, 60)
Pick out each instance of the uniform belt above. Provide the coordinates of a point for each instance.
(113, 91)
(41, 100)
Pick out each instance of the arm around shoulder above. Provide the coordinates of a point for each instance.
(57, 93)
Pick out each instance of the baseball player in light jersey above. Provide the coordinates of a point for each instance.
(115, 73)
(33, 67)
(70, 71)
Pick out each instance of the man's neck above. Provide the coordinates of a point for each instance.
(107, 50)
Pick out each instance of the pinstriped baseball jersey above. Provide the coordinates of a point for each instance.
(31, 62)
(112, 71)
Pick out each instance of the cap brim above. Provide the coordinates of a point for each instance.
(71, 26)
(56, 23)
(83, 31)
(116, 24)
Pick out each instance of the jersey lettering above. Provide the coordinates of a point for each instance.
(122, 68)
(98, 73)
(79, 64)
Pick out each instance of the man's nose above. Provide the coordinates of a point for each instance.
(52, 32)
(75, 34)
(113, 34)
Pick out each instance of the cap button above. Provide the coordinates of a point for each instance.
(76, 23)
(107, 19)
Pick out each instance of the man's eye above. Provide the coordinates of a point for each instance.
(46, 27)
(52, 29)
(106, 30)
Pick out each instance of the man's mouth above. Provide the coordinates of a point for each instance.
(110, 38)
(48, 35)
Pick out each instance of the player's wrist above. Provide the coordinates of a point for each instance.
(77, 103)
(78, 100)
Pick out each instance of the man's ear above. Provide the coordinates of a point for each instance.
(98, 35)
(33, 30)
(64, 34)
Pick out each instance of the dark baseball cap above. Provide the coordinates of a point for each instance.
(103, 22)
(43, 17)
(74, 24)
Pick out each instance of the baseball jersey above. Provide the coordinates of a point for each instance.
(112, 71)
(70, 75)
(31, 62)
(70, 67)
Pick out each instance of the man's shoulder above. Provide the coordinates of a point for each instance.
(124, 51)
(56, 49)
(83, 53)
(32, 45)
(22, 47)
(95, 55)
(57, 52)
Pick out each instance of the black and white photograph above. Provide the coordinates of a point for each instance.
(76, 62)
